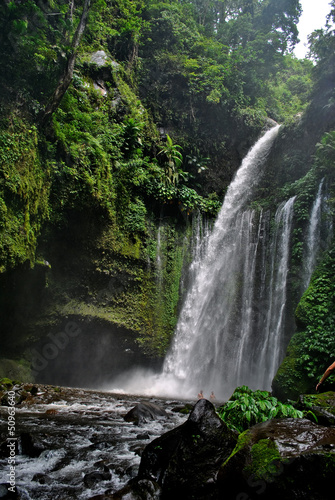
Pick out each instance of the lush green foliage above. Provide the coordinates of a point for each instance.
(311, 349)
(152, 133)
(246, 408)
(316, 312)
(24, 188)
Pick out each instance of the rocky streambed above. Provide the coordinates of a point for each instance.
(83, 444)
(74, 443)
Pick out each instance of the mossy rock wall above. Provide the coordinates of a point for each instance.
(311, 349)
(123, 291)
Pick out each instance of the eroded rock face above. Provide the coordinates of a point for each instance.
(289, 458)
(322, 405)
(185, 461)
(145, 411)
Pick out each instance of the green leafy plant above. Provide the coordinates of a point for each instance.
(246, 408)
(173, 161)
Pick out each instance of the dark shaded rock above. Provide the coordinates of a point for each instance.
(137, 449)
(289, 458)
(92, 478)
(185, 409)
(31, 445)
(7, 446)
(42, 478)
(185, 461)
(34, 390)
(143, 436)
(132, 471)
(6, 493)
(321, 405)
(143, 412)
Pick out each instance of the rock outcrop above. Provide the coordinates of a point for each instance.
(145, 411)
(281, 458)
(185, 461)
(288, 458)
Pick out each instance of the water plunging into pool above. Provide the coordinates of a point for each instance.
(231, 325)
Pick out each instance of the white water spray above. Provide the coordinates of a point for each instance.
(230, 327)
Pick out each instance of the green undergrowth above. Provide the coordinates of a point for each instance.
(246, 408)
(24, 192)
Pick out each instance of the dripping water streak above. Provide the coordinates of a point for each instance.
(313, 237)
(272, 346)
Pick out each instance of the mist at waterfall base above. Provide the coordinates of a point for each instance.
(232, 327)
(228, 332)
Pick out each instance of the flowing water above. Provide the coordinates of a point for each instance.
(231, 327)
(82, 443)
(314, 236)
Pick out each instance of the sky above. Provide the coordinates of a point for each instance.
(313, 17)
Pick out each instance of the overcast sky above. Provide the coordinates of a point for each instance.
(313, 17)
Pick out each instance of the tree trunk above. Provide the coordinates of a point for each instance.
(66, 78)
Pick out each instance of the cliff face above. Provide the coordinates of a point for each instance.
(96, 205)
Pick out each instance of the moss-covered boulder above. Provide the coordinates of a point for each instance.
(288, 458)
(321, 406)
(184, 462)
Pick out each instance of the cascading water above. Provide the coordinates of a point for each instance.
(229, 330)
(231, 325)
(313, 237)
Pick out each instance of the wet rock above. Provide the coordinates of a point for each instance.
(4, 448)
(321, 406)
(289, 458)
(9, 494)
(132, 471)
(137, 449)
(31, 445)
(92, 478)
(185, 460)
(143, 436)
(143, 412)
(185, 409)
(42, 478)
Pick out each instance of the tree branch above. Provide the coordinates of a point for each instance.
(66, 78)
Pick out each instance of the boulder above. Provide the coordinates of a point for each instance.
(185, 461)
(8, 494)
(143, 412)
(321, 406)
(95, 477)
(101, 59)
(31, 445)
(42, 478)
(288, 458)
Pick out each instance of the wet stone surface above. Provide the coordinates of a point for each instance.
(75, 443)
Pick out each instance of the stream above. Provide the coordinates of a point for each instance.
(75, 443)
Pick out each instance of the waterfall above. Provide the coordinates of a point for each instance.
(230, 326)
(159, 264)
(313, 237)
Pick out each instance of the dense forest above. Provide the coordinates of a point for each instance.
(121, 123)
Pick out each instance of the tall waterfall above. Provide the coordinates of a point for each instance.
(231, 323)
